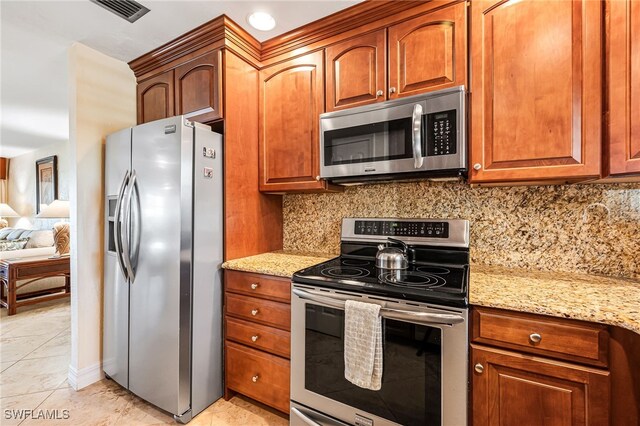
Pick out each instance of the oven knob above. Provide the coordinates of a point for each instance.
(254, 338)
(254, 312)
(254, 286)
(479, 368)
(255, 378)
(477, 166)
(535, 338)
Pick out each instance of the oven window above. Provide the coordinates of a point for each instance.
(411, 379)
(384, 141)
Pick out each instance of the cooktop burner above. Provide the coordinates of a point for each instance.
(412, 279)
(344, 272)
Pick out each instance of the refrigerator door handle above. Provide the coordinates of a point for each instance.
(126, 246)
(117, 228)
(136, 226)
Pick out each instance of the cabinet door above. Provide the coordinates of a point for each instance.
(515, 389)
(356, 71)
(428, 52)
(536, 90)
(155, 98)
(198, 88)
(624, 88)
(291, 100)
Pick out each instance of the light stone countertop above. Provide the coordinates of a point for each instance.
(279, 263)
(606, 300)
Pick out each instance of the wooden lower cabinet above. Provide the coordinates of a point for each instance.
(510, 388)
(529, 369)
(257, 319)
(258, 375)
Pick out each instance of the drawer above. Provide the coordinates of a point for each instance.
(557, 338)
(262, 311)
(257, 285)
(259, 375)
(258, 336)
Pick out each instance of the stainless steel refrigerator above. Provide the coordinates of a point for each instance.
(162, 335)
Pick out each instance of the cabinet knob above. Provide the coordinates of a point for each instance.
(254, 338)
(254, 312)
(477, 166)
(392, 90)
(318, 178)
(379, 93)
(535, 338)
(255, 378)
(479, 368)
(254, 286)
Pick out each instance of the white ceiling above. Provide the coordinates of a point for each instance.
(35, 36)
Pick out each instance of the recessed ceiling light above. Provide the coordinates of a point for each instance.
(261, 21)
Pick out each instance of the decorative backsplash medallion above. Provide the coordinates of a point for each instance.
(571, 228)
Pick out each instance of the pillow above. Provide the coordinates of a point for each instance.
(43, 238)
(4, 232)
(18, 234)
(13, 245)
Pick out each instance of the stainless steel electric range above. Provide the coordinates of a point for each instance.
(424, 309)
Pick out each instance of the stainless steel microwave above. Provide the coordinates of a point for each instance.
(417, 136)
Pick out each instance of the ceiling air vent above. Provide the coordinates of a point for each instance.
(126, 9)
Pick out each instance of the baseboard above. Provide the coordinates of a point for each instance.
(84, 377)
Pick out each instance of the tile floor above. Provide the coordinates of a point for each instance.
(34, 359)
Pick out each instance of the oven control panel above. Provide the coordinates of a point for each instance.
(427, 229)
(441, 133)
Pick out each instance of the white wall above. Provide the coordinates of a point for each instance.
(102, 100)
(22, 184)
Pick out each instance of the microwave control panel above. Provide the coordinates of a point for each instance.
(441, 133)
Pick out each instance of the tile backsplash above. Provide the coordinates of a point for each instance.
(570, 228)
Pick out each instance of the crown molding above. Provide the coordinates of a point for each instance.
(224, 32)
(221, 29)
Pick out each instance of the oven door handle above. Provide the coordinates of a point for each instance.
(416, 136)
(304, 417)
(424, 318)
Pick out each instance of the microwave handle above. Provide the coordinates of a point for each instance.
(416, 136)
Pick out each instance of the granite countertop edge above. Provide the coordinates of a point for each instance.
(605, 300)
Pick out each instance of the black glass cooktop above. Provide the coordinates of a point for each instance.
(425, 282)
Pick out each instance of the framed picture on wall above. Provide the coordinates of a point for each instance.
(46, 181)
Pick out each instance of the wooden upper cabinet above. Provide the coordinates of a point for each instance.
(515, 389)
(536, 88)
(198, 87)
(428, 52)
(155, 97)
(291, 100)
(624, 88)
(356, 71)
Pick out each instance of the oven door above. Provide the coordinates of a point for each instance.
(424, 348)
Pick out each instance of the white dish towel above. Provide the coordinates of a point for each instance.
(363, 344)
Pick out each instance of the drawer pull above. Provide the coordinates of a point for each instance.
(254, 312)
(255, 378)
(254, 338)
(535, 338)
(254, 286)
(479, 368)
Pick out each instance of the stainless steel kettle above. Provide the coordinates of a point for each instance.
(392, 257)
